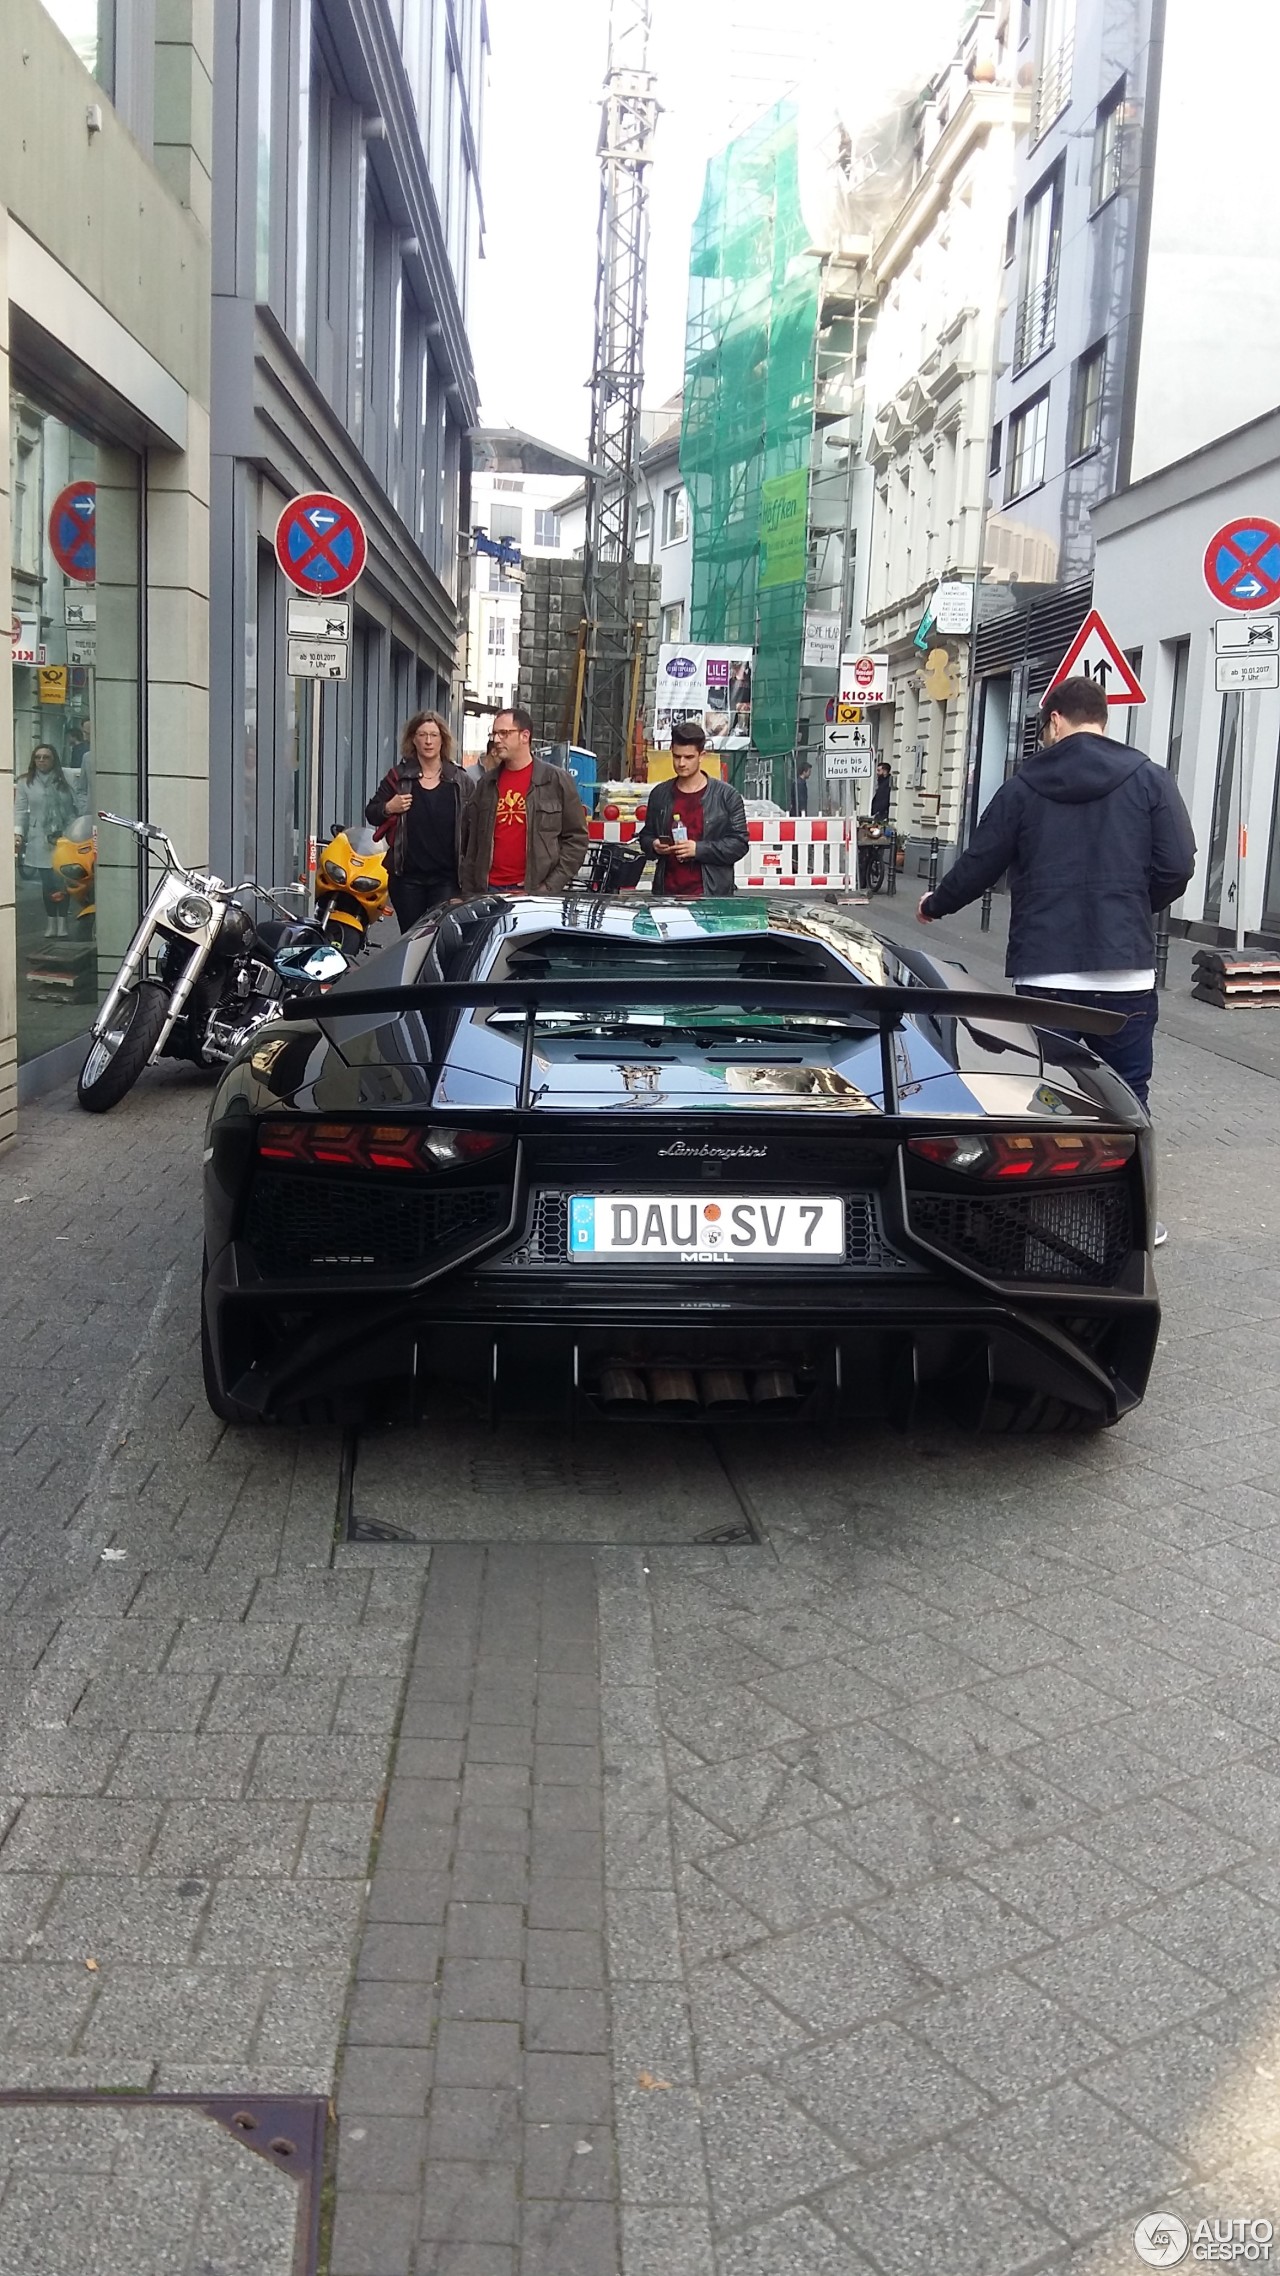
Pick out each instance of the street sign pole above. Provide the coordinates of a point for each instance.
(313, 788)
(1244, 800)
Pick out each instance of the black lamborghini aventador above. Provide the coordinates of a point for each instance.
(655, 1157)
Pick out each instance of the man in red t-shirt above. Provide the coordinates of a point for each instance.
(525, 830)
(696, 824)
(688, 821)
(511, 817)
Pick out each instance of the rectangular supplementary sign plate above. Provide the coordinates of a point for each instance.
(317, 660)
(848, 766)
(1247, 635)
(727, 1228)
(317, 620)
(1245, 672)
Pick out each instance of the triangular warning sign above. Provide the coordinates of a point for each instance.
(1094, 655)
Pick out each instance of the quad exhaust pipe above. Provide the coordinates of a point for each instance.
(676, 1391)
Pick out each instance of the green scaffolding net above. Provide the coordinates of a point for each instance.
(748, 414)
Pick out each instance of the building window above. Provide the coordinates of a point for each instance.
(74, 539)
(673, 622)
(89, 25)
(1108, 148)
(496, 642)
(508, 482)
(1223, 870)
(1028, 434)
(1086, 423)
(644, 522)
(1041, 253)
(506, 522)
(1180, 655)
(675, 515)
(997, 439)
(1011, 237)
(546, 527)
(1057, 55)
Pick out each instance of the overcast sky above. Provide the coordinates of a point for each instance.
(534, 292)
(717, 63)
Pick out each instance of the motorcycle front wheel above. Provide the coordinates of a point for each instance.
(118, 1056)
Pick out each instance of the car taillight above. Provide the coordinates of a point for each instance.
(376, 1145)
(1038, 1154)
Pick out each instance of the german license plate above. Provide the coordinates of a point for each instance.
(726, 1228)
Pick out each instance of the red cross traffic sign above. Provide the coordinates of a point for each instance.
(1095, 655)
(72, 531)
(320, 544)
(1242, 563)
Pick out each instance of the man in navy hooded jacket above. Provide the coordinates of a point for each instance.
(1096, 840)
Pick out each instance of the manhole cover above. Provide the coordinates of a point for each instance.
(529, 1482)
(159, 2185)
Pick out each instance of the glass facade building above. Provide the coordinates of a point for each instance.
(345, 233)
(104, 388)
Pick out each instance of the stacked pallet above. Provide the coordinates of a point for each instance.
(1236, 983)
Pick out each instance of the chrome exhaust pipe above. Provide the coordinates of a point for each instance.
(674, 1389)
(723, 1388)
(774, 1386)
(622, 1390)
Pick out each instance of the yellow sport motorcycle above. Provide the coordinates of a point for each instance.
(73, 861)
(351, 887)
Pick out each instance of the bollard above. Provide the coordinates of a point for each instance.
(1162, 949)
(986, 910)
(933, 863)
(891, 839)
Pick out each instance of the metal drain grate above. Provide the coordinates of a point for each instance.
(159, 2184)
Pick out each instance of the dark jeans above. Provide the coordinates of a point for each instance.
(411, 897)
(1130, 1051)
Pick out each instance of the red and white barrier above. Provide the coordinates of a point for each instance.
(808, 853)
(805, 853)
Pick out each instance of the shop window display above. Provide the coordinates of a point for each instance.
(74, 609)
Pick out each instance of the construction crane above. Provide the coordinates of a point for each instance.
(606, 696)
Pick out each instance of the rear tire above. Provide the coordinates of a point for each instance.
(117, 1059)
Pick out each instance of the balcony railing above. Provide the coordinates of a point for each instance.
(1053, 88)
(1037, 315)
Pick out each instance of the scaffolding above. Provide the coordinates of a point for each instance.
(748, 414)
(611, 647)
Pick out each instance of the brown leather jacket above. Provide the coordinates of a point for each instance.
(556, 837)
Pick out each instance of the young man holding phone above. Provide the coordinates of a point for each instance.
(696, 825)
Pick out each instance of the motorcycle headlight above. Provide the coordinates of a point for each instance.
(369, 886)
(334, 871)
(193, 912)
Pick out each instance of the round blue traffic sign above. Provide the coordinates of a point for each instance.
(72, 531)
(320, 544)
(1242, 563)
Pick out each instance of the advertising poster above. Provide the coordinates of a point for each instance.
(711, 684)
(784, 529)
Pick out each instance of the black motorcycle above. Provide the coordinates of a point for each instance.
(199, 976)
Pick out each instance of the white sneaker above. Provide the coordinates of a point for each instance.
(50, 928)
(1160, 1235)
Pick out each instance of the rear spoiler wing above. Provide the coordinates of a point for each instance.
(857, 1001)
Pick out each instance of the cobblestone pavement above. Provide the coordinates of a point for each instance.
(899, 1894)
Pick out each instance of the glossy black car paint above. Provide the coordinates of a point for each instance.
(364, 1321)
